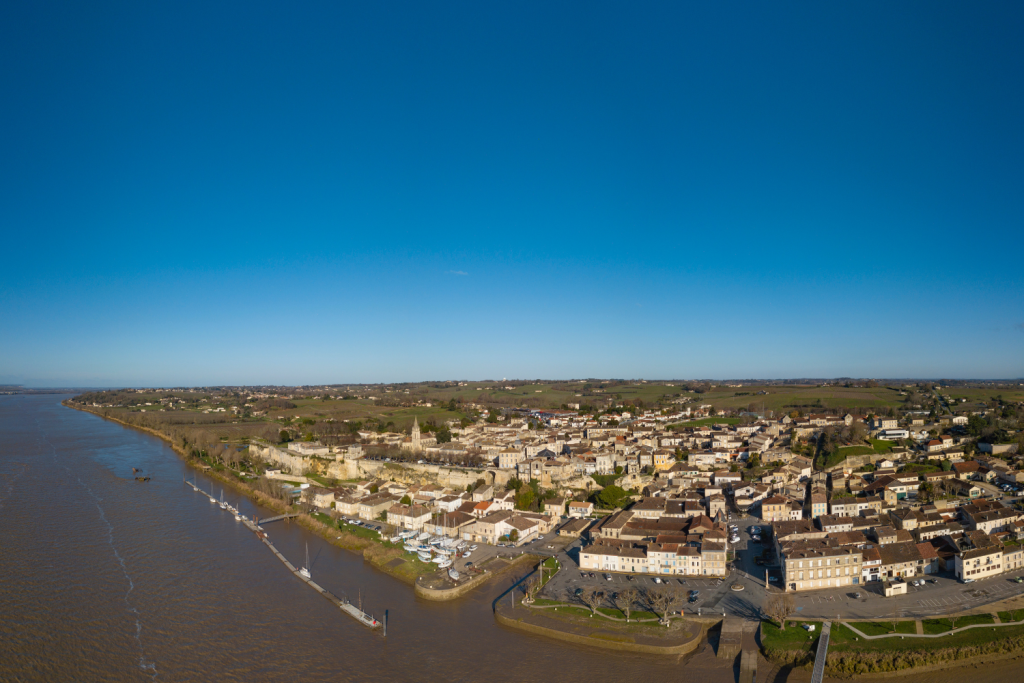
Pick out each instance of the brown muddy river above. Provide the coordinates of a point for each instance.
(106, 579)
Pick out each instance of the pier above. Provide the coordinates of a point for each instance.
(268, 520)
(347, 607)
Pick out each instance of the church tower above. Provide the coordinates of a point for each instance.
(415, 434)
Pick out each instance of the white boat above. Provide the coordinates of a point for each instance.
(305, 570)
(442, 551)
(444, 565)
(238, 517)
(411, 548)
(438, 560)
(395, 539)
(462, 545)
(422, 537)
(453, 575)
(425, 557)
(223, 505)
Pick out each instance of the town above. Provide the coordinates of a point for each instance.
(830, 499)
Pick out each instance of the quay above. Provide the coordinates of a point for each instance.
(347, 607)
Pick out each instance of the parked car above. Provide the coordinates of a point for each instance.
(657, 579)
(607, 577)
(579, 592)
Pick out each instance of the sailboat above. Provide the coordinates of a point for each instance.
(212, 499)
(305, 570)
(223, 506)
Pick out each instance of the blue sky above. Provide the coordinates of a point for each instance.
(257, 192)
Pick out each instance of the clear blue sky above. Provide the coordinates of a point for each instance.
(266, 192)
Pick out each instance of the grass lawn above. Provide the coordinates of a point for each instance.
(844, 640)
(881, 445)
(943, 625)
(1007, 617)
(793, 638)
(847, 451)
(880, 628)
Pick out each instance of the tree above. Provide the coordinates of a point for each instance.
(625, 600)
(374, 488)
(952, 616)
(926, 492)
(531, 586)
(612, 496)
(284, 436)
(664, 601)
(591, 599)
(406, 500)
(524, 498)
(778, 608)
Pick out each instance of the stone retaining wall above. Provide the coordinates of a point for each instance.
(682, 649)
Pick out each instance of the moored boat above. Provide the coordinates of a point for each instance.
(453, 575)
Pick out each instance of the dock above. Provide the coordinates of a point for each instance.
(367, 620)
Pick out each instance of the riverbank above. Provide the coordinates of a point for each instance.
(680, 638)
(851, 654)
(383, 556)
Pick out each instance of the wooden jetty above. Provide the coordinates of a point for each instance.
(367, 620)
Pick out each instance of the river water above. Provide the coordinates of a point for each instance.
(103, 578)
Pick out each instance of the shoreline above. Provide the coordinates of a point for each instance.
(347, 541)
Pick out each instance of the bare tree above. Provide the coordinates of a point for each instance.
(531, 586)
(895, 618)
(591, 598)
(664, 601)
(625, 600)
(778, 608)
(953, 615)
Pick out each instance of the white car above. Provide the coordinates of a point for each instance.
(473, 547)
(657, 579)
(467, 554)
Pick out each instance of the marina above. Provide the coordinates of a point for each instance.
(301, 573)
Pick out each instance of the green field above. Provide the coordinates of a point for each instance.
(808, 399)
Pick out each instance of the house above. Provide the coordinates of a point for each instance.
(775, 509)
(555, 506)
(575, 528)
(319, 497)
(408, 516)
(579, 510)
(308, 448)
(808, 565)
(979, 563)
(373, 506)
(482, 493)
(818, 504)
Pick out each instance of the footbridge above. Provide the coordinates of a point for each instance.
(822, 654)
(268, 520)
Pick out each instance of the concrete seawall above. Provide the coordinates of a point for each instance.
(680, 649)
